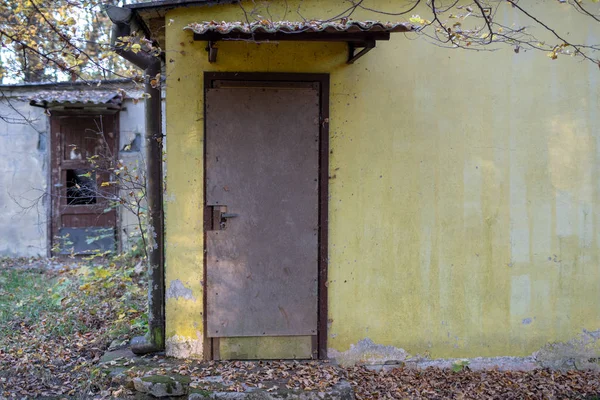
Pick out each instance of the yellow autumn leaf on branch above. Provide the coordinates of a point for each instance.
(416, 19)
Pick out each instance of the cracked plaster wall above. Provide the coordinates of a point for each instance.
(184, 337)
(184, 346)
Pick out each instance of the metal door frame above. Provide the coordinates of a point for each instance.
(250, 79)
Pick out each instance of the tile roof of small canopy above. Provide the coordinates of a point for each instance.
(109, 99)
(356, 33)
(293, 27)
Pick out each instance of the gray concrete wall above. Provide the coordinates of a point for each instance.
(131, 152)
(132, 125)
(23, 179)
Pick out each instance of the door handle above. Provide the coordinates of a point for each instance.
(215, 217)
(228, 215)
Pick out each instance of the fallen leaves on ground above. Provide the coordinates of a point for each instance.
(399, 383)
(436, 383)
(237, 376)
(55, 325)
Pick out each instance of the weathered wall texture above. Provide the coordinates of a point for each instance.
(464, 198)
(131, 151)
(23, 179)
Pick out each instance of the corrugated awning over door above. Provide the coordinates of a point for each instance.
(358, 34)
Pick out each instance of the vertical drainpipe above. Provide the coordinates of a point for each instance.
(154, 340)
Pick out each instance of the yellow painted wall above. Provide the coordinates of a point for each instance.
(464, 211)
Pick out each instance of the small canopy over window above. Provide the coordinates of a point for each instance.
(358, 34)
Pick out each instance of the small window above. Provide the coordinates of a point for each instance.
(81, 187)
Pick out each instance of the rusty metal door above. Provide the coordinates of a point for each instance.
(83, 149)
(262, 157)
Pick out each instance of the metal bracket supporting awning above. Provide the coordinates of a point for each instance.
(353, 56)
(212, 51)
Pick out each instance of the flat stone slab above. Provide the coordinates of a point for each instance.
(162, 386)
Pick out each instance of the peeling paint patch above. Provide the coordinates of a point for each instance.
(476, 364)
(178, 290)
(170, 198)
(367, 352)
(185, 347)
(582, 352)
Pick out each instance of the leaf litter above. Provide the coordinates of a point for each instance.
(399, 383)
(55, 325)
(437, 383)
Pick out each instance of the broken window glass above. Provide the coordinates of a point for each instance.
(81, 187)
